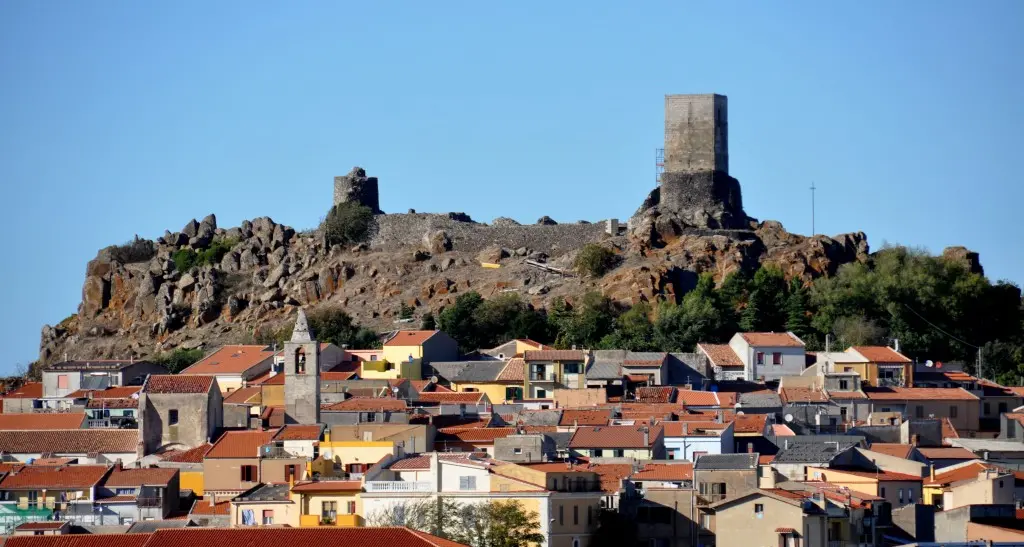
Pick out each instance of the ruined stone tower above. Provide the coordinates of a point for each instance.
(302, 375)
(696, 133)
(356, 186)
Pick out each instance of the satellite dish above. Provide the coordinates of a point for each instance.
(433, 379)
(739, 412)
(929, 363)
(788, 417)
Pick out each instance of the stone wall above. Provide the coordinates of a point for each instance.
(405, 230)
(696, 133)
(356, 186)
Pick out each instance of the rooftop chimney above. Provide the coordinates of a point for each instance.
(647, 437)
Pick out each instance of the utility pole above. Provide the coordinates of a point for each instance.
(813, 188)
(981, 371)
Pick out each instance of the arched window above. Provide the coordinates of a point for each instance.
(300, 361)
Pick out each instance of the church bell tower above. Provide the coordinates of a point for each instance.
(302, 374)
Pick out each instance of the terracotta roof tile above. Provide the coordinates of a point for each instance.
(295, 432)
(192, 455)
(1017, 390)
(918, 394)
(79, 540)
(614, 436)
(240, 444)
(960, 473)
(585, 417)
(150, 476)
(41, 525)
(178, 383)
(202, 507)
(12, 422)
(116, 392)
(765, 459)
(784, 530)
(233, 359)
(245, 395)
(846, 395)
(697, 398)
(514, 371)
(655, 394)
(365, 404)
(275, 537)
(720, 355)
(422, 461)
(555, 355)
(781, 430)
(127, 402)
(610, 475)
(693, 429)
(328, 486)
(473, 435)
(30, 390)
(664, 472)
(750, 423)
(70, 441)
(880, 354)
(892, 449)
(54, 461)
(341, 372)
(56, 477)
(792, 395)
(410, 337)
(947, 453)
(772, 339)
(475, 397)
(948, 431)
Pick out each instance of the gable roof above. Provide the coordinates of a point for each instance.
(918, 394)
(688, 397)
(733, 462)
(879, 354)
(750, 423)
(514, 371)
(792, 395)
(245, 395)
(54, 476)
(694, 428)
(231, 359)
(149, 476)
(367, 404)
(682, 471)
(113, 392)
(296, 432)
(451, 397)
(946, 453)
(28, 390)
(410, 337)
(473, 434)
(70, 441)
(79, 540)
(720, 355)
(95, 364)
(240, 444)
(178, 383)
(644, 359)
(192, 455)
(772, 339)
(64, 420)
(892, 449)
(473, 371)
(655, 394)
(554, 355)
(957, 473)
(585, 417)
(275, 537)
(615, 436)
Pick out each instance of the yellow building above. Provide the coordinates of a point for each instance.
(265, 505)
(328, 503)
(407, 350)
(878, 366)
(348, 449)
(501, 381)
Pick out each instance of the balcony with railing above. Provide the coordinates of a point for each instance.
(537, 376)
(398, 486)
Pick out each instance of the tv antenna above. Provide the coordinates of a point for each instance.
(813, 188)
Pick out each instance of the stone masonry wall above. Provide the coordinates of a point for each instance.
(696, 133)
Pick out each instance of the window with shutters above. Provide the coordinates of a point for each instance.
(467, 483)
(575, 515)
(561, 515)
(62, 381)
(268, 516)
(329, 510)
(351, 507)
(248, 473)
(760, 357)
(776, 357)
(953, 411)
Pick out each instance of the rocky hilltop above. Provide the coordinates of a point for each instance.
(204, 285)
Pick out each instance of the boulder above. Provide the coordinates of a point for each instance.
(437, 242)
(273, 295)
(210, 220)
(191, 229)
(504, 222)
(492, 254)
(186, 282)
(275, 275)
(546, 221)
(420, 256)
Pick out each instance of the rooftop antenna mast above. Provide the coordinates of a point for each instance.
(813, 188)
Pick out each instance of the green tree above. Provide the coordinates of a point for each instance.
(766, 303)
(458, 321)
(508, 524)
(633, 330)
(346, 223)
(588, 322)
(337, 327)
(428, 322)
(178, 360)
(594, 260)
(700, 317)
(798, 319)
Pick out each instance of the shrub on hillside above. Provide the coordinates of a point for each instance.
(594, 260)
(347, 223)
(136, 250)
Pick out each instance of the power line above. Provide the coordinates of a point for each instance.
(938, 328)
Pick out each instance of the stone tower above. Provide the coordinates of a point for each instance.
(696, 133)
(302, 375)
(356, 186)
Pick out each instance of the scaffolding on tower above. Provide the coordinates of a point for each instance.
(659, 164)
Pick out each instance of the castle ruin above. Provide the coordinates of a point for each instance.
(357, 187)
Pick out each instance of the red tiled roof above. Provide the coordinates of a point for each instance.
(79, 540)
(697, 398)
(844, 395)
(664, 472)
(8, 467)
(750, 423)
(240, 444)
(609, 475)
(802, 395)
(127, 402)
(192, 455)
(202, 507)
(772, 339)
(514, 371)
(585, 417)
(29, 390)
(116, 392)
(335, 375)
(244, 395)
(918, 394)
(54, 461)
(784, 530)
(119, 498)
(765, 459)
(55, 477)
(451, 397)
(614, 436)
(328, 486)
(410, 337)
(693, 429)
(41, 525)
(880, 354)
(781, 430)
(234, 359)
(655, 394)
(365, 404)
(275, 537)
(178, 383)
(295, 432)
(150, 476)
(13, 422)
(645, 362)
(422, 461)
(1017, 390)
(720, 355)
(474, 435)
(892, 449)
(554, 355)
(948, 431)
(964, 472)
(947, 453)
(70, 441)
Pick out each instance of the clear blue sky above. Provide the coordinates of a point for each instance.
(124, 118)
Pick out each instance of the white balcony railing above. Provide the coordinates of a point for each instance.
(398, 486)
